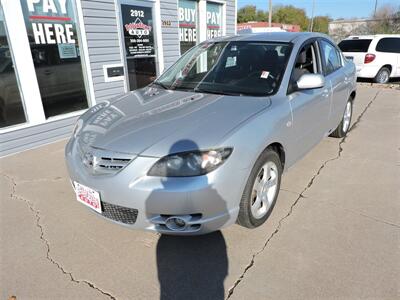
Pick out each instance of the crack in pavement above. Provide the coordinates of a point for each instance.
(378, 220)
(42, 237)
(301, 195)
(364, 215)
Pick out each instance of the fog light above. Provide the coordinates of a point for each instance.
(175, 223)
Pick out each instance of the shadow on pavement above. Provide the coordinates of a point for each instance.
(192, 267)
(189, 267)
(368, 80)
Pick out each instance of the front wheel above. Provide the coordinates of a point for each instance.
(261, 191)
(344, 124)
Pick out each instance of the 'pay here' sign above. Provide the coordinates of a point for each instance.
(49, 20)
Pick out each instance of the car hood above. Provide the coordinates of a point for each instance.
(152, 121)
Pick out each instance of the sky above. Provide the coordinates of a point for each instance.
(333, 8)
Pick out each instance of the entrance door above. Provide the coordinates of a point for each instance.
(139, 40)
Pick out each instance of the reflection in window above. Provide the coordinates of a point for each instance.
(141, 72)
(11, 108)
(56, 56)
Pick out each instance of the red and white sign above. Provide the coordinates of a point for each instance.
(88, 196)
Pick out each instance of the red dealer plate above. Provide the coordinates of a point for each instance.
(88, 196)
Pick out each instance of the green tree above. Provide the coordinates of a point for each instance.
(289, 14)
(387, 20)
(250, 13)
(246, 13)
(321, 24)
(261, 16)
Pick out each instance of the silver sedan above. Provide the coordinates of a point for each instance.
(206, 144)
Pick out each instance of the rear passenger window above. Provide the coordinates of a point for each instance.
(388, 45)
(331, 57)
(355, 45)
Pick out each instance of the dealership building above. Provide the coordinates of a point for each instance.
(59, 57)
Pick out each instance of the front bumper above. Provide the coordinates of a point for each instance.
(208, 203)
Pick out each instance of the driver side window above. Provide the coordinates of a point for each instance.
(306, 63)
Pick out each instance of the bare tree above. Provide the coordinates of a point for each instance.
(386, 20)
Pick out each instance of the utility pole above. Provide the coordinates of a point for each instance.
(270, 14)
(312, 16)
(376, 4)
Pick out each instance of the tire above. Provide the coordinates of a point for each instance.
(252, 218)
(383, 75)
(345, 122)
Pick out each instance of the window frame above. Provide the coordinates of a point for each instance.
(314, 43)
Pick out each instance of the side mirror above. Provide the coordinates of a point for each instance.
(310, 81)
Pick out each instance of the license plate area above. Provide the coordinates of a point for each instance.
(88, 196)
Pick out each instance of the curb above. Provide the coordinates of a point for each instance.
(381, 85)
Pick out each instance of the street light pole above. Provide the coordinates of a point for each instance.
(270, 14)
(376, 4)
(312, 16)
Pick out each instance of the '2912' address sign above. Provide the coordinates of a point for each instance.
(138, 30)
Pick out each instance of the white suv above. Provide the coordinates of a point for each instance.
(375, 56)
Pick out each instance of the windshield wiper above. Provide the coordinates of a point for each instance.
(218, 92)
(160, 84)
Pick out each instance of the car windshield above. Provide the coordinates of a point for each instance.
(355, 45)
(229, 68)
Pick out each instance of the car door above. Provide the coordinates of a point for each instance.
(310, 108)
(332, 63)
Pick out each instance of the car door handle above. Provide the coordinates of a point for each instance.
(325, 93)
(47, 72)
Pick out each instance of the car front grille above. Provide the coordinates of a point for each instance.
(102, 162)
(118, 213)
(112, 163)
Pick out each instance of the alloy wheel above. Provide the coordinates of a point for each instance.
(347, 117)
(264, 190)
(383, 77)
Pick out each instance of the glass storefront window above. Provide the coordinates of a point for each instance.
(11, 107)
(214, 20)
(138, 28)
(51, 27)
(187, 13)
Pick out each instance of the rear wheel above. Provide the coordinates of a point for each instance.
(344, 124)
(261, 191)
(383, 75)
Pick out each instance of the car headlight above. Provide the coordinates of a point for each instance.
(192, 163)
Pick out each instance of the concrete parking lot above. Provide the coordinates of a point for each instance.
(334, 233)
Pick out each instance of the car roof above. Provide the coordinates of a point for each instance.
(285, 37)
(371, 36)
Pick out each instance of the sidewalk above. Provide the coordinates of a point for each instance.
(334, 232)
